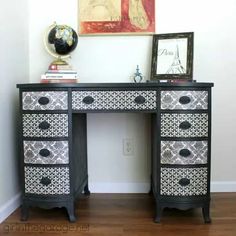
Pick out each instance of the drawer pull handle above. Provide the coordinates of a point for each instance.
(184, 153)
(140, 100)
(88, 100)
(184, 100)
(44, 125)
(45, 181)
(184, 125)
(184, 182)
(44, 152)
(43, 101)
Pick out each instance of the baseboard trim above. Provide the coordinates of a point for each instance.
(119, 187)
(223, 186)
(216, 186)
(9, 207)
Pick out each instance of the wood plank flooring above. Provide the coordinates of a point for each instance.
(126, 214)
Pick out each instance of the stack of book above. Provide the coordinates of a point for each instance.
(59, 74)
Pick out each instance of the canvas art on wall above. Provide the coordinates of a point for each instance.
(116, 16)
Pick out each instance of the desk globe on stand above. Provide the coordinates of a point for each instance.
(60, 41)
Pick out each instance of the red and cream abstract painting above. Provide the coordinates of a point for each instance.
(116, 17)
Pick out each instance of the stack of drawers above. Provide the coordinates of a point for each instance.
(184, 162)
(46, 165)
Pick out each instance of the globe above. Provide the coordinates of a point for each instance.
(60, 41)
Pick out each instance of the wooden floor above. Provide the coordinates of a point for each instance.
(126, 214)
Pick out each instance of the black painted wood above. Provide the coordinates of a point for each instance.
(77, 130)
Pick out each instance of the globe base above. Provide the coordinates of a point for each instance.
(59, 61)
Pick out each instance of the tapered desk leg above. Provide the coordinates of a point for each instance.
(86, 190)
(206, 213)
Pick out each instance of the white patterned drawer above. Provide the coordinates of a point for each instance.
(184, 100)
(46, 180)
(114, 100)
(45, 100)
(183, 181)
(45, 125)
(184, 125)
(46, 152)
(184, 152)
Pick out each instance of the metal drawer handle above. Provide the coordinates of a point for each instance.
(44, 125)
(140, 100)
(184, 153)
(44, 152)
(45, 181)
(184, 182)
(88, 100)
(184, 100)
(43, 101)
(184, 125)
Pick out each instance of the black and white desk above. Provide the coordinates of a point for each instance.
(53, 139)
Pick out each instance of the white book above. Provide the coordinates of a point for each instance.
(61, 76)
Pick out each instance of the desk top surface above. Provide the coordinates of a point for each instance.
(114, 85)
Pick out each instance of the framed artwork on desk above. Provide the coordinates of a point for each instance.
(102, 17)
(172, 56)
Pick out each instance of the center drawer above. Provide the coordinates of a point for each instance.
(114, 100)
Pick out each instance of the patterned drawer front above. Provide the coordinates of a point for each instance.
(46, 152)
(114, 100)
(45, 125)
(184, 125)
(57, 100)
(184, 100)
(40, 180)
(183, 181)
(184, 152)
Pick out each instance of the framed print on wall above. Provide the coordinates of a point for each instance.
(172, 56)
(101, 17)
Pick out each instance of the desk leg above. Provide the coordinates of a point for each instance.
(158, 213)
(24, 212)
(71, 211)
(206, 214)
(86, 190)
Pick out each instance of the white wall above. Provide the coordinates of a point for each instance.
(114, 59)
(14, 69)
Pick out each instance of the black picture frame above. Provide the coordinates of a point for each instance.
(172, 56)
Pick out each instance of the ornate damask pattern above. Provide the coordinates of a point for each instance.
(171, 179)
(58, 177)
(58, 100)
(58, 152)
(198, 100)
(170, 152)
(58, 125)
(170, 125)
(114, 100)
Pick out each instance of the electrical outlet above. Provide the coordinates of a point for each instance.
(128, 147)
